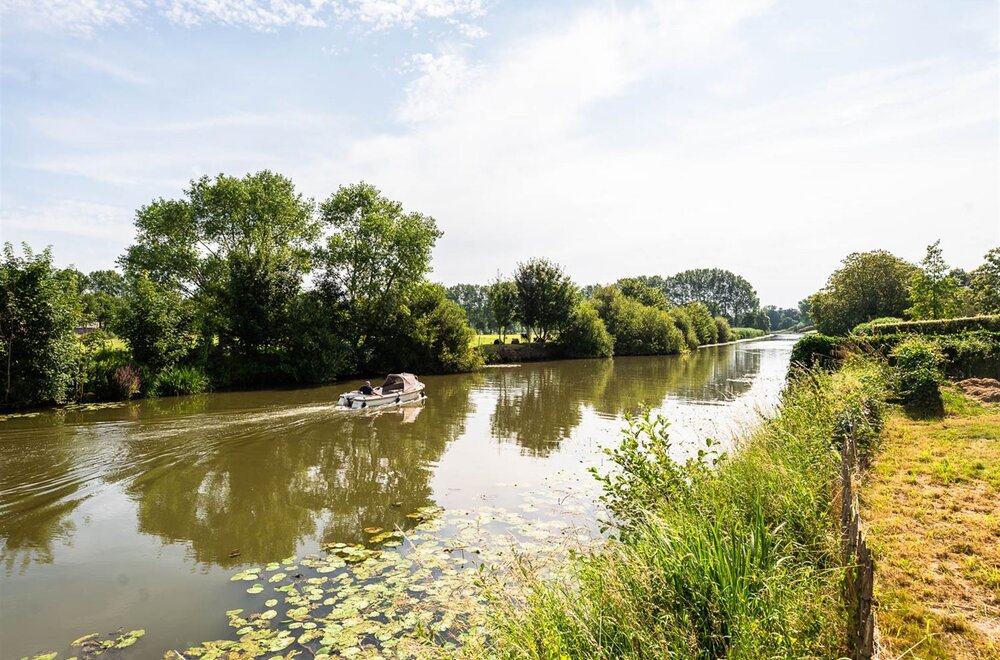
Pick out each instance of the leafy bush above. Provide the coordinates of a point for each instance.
(585, 334)
(127, 382)
(686, 326)
(179, 380)
(704, 323)
(867, 327)
(816, 349)
(939, 326)
(101, 360)
(739, 561)
(918, 363)
(636, 328)
(38, 311)
(724, 330)
(748, 333)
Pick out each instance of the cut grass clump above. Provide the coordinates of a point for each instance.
(737, 557)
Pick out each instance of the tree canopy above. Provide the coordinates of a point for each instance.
(724, 293)
(546, 295)
(868, 285)
(933, 292)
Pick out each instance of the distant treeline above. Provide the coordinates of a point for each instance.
(242, 281)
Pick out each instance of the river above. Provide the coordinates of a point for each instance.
(136, 516)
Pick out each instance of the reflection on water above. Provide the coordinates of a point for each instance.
(138, 510)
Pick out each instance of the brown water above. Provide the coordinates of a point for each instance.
(136, 515)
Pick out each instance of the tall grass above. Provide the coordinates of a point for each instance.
(737, 559)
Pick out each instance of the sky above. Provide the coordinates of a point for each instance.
(621, 138)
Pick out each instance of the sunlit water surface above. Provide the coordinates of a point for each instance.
(137, 515)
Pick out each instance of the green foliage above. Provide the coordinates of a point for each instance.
(816, 350)
(938, 327)
(474, 299)
(101, 296)
(723, 292)
(868, 286)
(918, 364)
(984, 283)
(317, 351)
(782, 319)
(636, 328)
(868, 327)
(933, 292)
(156, 322)
(101, 358)
(430, 334)
(39, 307)
(180, 380)
(546, 295)
(747, 333)
(645, 473)
(637, 289)
(725, 333)
(377, 255)
(585, 335)
(503, 300)
(685, 325)
(737, 561)
(704, 323)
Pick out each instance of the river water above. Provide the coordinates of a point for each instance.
(130, 516)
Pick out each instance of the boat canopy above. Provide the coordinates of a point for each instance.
(398, 382)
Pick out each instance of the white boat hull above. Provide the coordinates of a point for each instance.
(357, 400)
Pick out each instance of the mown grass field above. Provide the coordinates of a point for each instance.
(933, 508)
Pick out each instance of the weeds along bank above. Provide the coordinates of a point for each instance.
(726, 555)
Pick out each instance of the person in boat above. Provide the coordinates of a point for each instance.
(367, 389)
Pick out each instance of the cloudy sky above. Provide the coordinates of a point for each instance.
(618, 138)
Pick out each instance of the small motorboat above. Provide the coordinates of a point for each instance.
(397, 388)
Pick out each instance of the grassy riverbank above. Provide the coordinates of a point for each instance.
(739, 559)
(931, 503)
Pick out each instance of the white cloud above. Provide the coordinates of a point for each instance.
(72, 217)
(77, 16)
(83, 17)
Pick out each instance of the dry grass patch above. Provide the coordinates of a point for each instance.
(933, 504)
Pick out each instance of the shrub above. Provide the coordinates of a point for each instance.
(686, 326)
(816, 349)
(918, 365)
(867, 327)
(179, 380)
(127, 382)
(585, 334)
(515, 340)
(704, 323)
(101, 360)
(724, 329)
(747, 333)
(939, 326)
(636, 328)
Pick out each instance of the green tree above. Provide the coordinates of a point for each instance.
(237, 247)
(503, 301)
(156, 321)
(378, 253)
(474, 299)
(585, 334)
(546, 295)
(868, 285)
(637, 289)
(933, 292)
(39, 307)
(723, 292)
(637, 329)
(102, 296)
(704, 323)
(984, 283)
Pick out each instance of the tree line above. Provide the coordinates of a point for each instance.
(239, 282)
(243, 281)
(878, 286)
